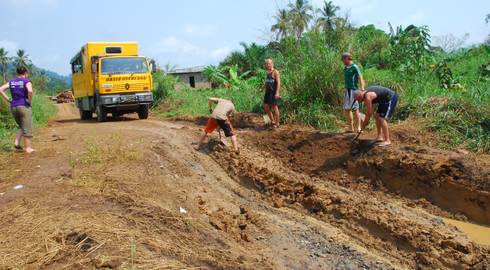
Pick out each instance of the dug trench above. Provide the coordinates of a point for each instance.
(132, 194)
(388, 199)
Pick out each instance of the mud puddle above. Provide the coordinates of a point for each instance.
(479, 234)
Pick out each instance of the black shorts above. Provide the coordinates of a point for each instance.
(270, 98)
(226, 127)
(386, 110)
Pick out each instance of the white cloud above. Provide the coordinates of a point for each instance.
(175, 45)
(9, 45)
(204, 30)
(416, 17)
(220, 53)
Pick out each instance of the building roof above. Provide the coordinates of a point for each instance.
(198, 69)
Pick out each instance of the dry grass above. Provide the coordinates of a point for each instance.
(113, 212)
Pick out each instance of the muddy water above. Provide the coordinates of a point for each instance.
(477, 233)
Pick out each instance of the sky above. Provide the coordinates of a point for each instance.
(194, 32)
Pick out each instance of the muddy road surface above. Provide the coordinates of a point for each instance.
(131, 194)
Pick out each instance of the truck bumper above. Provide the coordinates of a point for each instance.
(125, 102)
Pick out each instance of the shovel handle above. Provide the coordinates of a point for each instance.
(357, 136)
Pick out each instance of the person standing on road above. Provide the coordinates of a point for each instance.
(272, 93)
(352, 77)
(386, 100)
(20, 105)
(220, 118)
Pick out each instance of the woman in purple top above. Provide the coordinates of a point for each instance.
(20, 105)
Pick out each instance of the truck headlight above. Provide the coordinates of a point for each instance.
(145, 97)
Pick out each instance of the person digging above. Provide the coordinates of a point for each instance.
(386, 101)
(220, 118)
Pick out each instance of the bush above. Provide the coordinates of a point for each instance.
(162, 85)
(42, 109)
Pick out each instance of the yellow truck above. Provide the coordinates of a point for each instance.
(110, 77)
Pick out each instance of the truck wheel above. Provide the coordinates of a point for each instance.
(101, 113)
(85, 115)
(143, 111)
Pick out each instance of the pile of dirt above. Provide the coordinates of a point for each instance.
(240, 120)
(452, 181)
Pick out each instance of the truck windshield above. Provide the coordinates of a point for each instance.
(124, 66)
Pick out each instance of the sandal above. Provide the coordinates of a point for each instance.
(18, 147)
(383, 144)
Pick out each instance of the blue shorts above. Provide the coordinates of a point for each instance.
(386, 110)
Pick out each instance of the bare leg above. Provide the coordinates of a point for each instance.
(357, 120)
(277, 114)
(18, 137)
(386, 132)
(235, 144)
(27, 144)
(201, 140)
(348, 115)
(268, 112)
(379, 137)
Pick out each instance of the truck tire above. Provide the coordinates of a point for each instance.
(85, 115)
(101, 113)
(143, 111)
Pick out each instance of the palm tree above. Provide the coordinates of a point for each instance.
(282, 27)
(300, 16)
(4, 62)
(169, 68)
(327, 17)
(22, 59)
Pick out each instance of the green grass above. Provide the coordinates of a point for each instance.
(311, 95)
(43, 109)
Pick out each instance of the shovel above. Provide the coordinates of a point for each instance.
(357, 136)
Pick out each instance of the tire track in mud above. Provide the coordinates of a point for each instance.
(408, 236)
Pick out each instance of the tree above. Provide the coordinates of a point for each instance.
(410, 48)
(282, 27)
(22, 59)
(450, 43)
(327, 17)
(487, 19)
(4, 62)
(168, 67)
(301, 16)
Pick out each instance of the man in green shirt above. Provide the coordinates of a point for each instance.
(352, 77)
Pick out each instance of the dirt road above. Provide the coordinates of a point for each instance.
(132, 194)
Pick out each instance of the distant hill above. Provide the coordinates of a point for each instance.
(56, 82)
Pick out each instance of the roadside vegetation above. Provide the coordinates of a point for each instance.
(442, 84)
(44, 82)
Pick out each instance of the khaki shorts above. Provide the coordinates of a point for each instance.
(23, 118)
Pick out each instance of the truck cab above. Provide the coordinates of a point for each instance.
(111, 78)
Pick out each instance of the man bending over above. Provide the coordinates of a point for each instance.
(220, 118)
(386, 101)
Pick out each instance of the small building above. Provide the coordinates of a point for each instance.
(192, 77)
